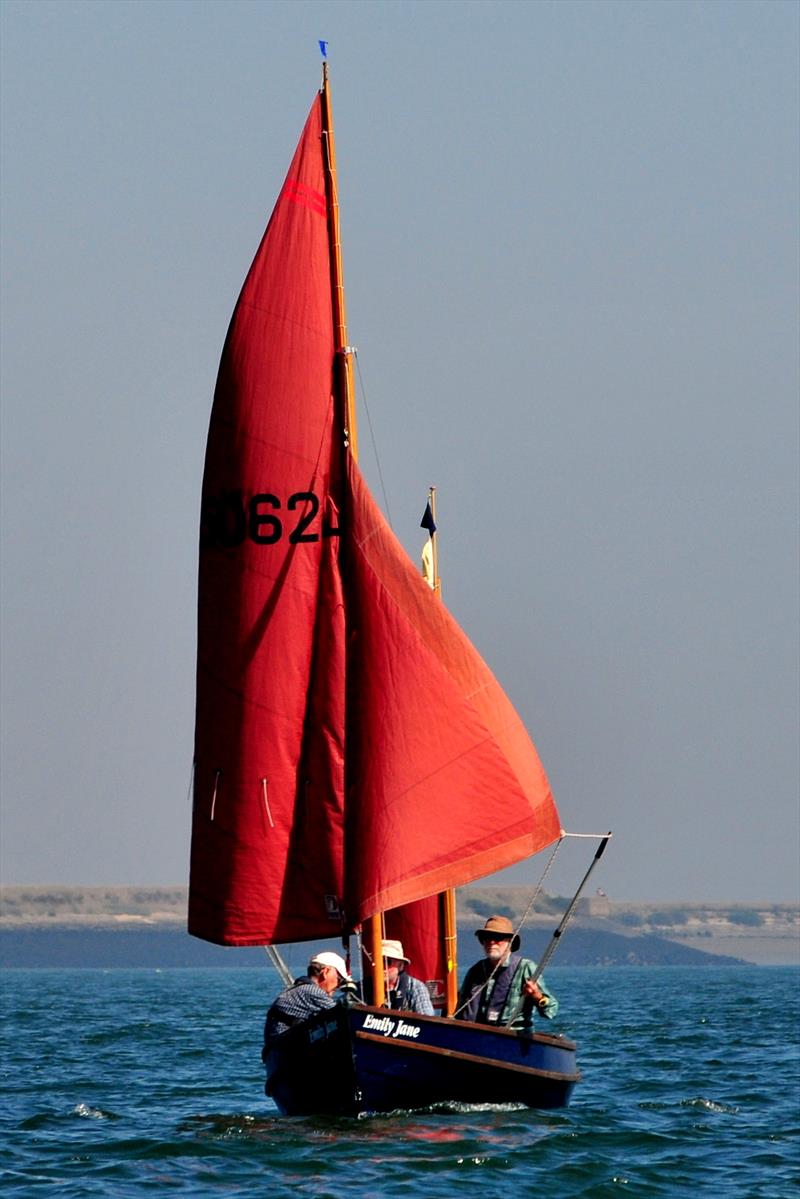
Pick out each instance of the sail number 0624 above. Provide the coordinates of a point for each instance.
(228, 519)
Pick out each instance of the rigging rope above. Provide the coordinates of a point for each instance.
(565, 919)
(280, 965)
(372, 438)
(525, 915)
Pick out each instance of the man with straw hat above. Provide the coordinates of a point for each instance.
(500, 989)
(403, 991)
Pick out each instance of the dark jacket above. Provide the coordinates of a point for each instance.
(303, 999)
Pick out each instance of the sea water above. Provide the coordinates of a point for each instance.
(140, 1082)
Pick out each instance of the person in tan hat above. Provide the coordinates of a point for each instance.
(403, 991)
(307, 995)
(500, 989)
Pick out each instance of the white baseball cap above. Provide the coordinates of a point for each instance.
(331, 959)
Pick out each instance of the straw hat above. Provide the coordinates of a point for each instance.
(498, 928)
(393, 949)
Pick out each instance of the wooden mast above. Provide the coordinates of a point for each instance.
(344, 352)
(448, 897)
(343, 373)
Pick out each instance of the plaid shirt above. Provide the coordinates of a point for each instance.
(303, 999)
(410, 995)
(417, 998)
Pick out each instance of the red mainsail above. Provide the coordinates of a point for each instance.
(353, 753)
(268, 826)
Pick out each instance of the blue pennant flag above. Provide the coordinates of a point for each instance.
(427, 521)
(323, 49)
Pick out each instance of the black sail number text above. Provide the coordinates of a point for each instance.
(229, 519)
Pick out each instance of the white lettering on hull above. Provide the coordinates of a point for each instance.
(391, 1028)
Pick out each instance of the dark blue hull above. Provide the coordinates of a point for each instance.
(366, 1059)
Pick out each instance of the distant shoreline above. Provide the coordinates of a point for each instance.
(137, 946)
(146, 926)
(48, 901)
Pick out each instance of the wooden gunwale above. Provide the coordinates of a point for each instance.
(545, 1038)
(473, 1058)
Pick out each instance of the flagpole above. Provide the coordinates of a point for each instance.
(448, 897)
(437, 586)
(346, 383)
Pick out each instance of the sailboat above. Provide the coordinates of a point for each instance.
(355, 758)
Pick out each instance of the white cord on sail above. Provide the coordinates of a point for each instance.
(214, 796)
(266, 803)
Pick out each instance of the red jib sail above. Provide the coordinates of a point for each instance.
(444, 785)
(353, 753)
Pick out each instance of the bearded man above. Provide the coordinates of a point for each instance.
(499, 989)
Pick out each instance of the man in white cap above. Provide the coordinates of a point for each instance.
(308, 995)
(403, 991)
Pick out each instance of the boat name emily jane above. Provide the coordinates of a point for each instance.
(391, 1028)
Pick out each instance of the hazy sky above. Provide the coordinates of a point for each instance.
(571, 254)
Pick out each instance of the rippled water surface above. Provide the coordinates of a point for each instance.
(126, 1083)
